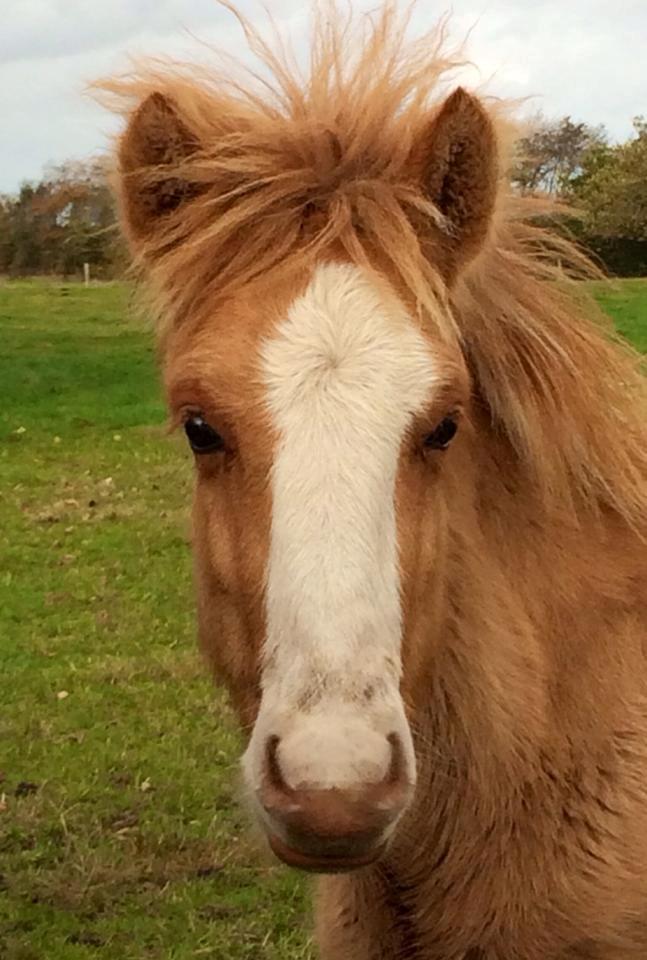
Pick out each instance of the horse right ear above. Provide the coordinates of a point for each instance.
(152, 152)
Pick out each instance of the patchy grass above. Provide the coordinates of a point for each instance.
(626, 302)
(120, 833)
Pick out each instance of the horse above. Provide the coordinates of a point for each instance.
(420, 494)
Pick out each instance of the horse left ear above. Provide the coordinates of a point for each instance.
(457, 163)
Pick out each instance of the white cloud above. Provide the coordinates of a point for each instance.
(583, 58)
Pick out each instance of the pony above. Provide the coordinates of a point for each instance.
(420, 494)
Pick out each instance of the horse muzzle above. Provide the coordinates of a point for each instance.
(332, 829)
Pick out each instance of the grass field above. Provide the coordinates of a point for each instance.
(120, 834)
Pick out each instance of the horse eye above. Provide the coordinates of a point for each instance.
(441, 437)
(202, 437)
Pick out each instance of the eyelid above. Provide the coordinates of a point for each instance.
(178, 416)
(188, 410)
(426, 423)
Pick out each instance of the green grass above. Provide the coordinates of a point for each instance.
(626, 302)
(121, 836)
(120, 832)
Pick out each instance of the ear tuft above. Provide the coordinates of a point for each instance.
(152, 149)
(459, 170)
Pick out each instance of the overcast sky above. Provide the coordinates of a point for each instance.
(586, 58)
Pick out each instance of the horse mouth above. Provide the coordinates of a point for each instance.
(321, 863)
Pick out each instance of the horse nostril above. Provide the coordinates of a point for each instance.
(273, 775)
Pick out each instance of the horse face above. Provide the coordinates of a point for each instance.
(318, 409)
(318, 433)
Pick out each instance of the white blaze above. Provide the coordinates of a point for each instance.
(344, 374)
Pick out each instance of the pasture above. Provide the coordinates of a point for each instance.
(120, 831)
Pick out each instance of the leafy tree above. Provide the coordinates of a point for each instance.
(611, 188)
(552, 155)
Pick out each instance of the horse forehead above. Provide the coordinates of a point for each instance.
(337, 334)
(346, 338)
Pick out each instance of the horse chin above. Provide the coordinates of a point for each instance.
(311, 863)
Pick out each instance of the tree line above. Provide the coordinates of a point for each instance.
(64, 220)
(601, 188)
(68, 217)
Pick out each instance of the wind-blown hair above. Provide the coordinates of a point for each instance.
(281, 169)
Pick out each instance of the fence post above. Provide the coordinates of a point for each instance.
(86, 274)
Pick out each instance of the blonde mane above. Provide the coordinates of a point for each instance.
(289, 167)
